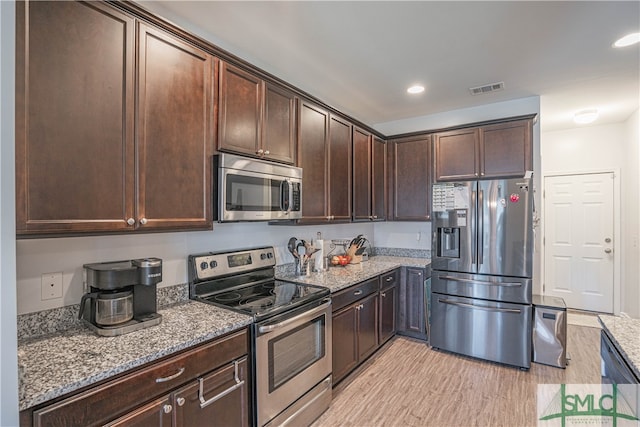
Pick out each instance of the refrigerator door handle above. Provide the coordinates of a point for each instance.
(479, 282)
(480, 307)
(480, 226)
(474, 225)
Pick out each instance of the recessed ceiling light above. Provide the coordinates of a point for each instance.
(585, 116)
(627, 40)
(415, 89)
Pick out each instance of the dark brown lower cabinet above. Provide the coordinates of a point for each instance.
(208, 384)
(412, 316)
(364, 318)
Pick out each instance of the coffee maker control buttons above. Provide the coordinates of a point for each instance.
(213, 264)
(204, 265)
(263, 256)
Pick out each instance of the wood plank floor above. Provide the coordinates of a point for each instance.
(406, 383)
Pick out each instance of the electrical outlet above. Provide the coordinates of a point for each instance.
(51, 286)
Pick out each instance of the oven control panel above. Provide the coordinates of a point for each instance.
(212, 265)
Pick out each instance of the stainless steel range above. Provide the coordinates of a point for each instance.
(291, 331)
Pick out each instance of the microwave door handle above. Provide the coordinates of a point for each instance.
(285, 196)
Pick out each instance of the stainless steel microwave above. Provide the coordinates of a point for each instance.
(256, 190)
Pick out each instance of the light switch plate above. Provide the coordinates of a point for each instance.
(51, 286)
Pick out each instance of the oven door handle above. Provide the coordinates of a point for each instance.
(269, 328)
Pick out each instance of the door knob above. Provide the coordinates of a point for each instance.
(607, 240)
(607, 251)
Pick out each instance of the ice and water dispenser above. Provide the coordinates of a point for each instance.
(450, 209)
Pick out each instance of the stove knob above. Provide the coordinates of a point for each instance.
(269, 255)
(263, 256)
(203, 265)
(213, 264)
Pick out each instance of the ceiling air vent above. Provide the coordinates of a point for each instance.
(492, 87)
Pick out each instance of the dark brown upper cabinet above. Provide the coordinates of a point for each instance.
(256, 117)
(410, 178)
(493, 151)
(369, 176)
(324, 155)
(175, 133)
(79, 166)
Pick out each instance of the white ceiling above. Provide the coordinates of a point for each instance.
(360, 57)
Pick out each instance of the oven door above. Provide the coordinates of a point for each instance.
(253, 196)
(293, 355)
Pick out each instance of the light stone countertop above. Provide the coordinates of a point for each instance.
(625, 335)
(337, 278)
(57, 364)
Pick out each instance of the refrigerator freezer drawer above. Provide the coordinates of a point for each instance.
(506, 289)
(498, 332)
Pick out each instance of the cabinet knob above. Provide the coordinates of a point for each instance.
(383, 294)
(266, 152)
(143, 221)
(389, 279)
(167, 408)
(375, 217)
(180, 401)
(260, 151)
(131, 221)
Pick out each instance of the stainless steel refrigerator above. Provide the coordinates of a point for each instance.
(482, 262)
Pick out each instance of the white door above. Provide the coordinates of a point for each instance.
(578, 240)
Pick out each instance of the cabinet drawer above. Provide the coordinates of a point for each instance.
(354, 293)
(390, 279)
(103, 403)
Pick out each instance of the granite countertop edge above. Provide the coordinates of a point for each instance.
(624, 333)
(78, 357)
(337, 278)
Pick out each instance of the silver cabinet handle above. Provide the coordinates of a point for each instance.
(170, 377)
(358, 292)
(143, 221)
(167, 408)
(180, 401)
(479, 282)
(204, 403)
(480, 307)
(607, 251)
(131, 221)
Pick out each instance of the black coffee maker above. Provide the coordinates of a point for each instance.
(121, 295)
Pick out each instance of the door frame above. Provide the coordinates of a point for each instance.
(617, 237)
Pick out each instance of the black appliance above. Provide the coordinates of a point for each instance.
(121, 295)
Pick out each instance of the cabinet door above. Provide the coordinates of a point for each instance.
(379, 179)
(412, 303)
(361, 175)
(506, 149)
(240, 105)
(457, 154)
(175, 143)
(412, 179)
(220, 409)
(312, 158)
(279, 130)
(388, 313)
(367, 326)
(74, 117)
(344, 342)
(339, 170)
(157, 413)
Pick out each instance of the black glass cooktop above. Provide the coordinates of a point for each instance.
(265, 299)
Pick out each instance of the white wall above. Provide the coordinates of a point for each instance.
(599, 148)
(8, 335)
(67, 255)
(631, 218)
(408, 235)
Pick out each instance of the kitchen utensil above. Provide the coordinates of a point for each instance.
(360, 250)
(291, 246)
